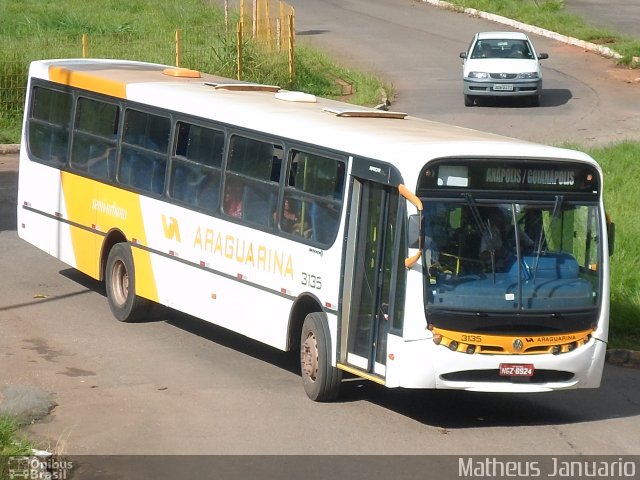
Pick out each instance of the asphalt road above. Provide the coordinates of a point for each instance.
(177, 385)
(414, 46)
(180, 386)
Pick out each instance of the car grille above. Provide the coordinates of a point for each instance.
(503, 76)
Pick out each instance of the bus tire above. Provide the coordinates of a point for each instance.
(120, 281)
(321, 380)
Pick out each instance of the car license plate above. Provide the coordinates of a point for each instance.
(503, 87)
(516, 369)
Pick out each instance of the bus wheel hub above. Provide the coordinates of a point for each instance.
(310, 357)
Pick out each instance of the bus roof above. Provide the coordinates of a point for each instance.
(373, 134)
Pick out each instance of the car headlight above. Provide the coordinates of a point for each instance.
(528, 75)
(478, 75)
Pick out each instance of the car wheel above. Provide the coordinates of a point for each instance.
(535, 101)
(469, 100)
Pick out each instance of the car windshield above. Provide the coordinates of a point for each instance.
(511, 257)
(502, 48)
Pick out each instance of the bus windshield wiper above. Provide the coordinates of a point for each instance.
(485, 230)
(516, 233)
(554, 215)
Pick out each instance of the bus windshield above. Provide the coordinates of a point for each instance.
(506, 256)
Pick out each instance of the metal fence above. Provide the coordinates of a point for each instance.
(256, 43)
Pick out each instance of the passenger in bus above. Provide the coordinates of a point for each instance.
(233, 198)
(498, 241)
(290, 219)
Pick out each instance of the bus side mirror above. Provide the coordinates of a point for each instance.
(413, 234)
(611, 233)
(411, 197)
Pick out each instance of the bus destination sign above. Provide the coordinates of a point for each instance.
(529, 176)
(485, 174)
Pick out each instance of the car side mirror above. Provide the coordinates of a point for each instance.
(542, 56)
(463, 54)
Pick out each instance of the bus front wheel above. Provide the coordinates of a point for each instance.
(125, 305)
(321, 380)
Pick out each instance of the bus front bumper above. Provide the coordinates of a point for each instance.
(444, 369)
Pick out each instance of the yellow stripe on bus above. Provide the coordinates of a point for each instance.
(360, 373)
(88, 81)
(106, 208)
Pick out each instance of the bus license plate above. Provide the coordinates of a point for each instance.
(516, 369)
(503, 87)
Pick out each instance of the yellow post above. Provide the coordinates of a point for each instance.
(267, 25)
(281, 21)
(291, 48)
(254, 20)
(239, 72)
(178, 48)
(85, 46)
(226, 16)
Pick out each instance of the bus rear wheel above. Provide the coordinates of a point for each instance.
(321, 380)
(120, 283)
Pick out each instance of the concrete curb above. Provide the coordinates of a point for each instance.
(623, 358)
(9, 148)
(592, 47)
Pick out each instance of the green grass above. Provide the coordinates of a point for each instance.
(621, 166)
(551, 15)
(11, 443)
(141, 30)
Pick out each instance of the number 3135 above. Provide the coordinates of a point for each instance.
(311, 281)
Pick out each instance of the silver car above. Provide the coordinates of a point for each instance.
(502, 64)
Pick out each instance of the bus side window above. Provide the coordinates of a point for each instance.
(143, 162)
(254, 165)
(94, 139)
(316, 183)
(48, 129)
(195, 166)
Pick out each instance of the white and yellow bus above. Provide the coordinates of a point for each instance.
(403, 251)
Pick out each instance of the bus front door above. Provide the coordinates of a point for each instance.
(367, 286)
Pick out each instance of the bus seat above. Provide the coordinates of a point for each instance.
(140, 171)
(323, 223)
(105, 166)
(207, 195)
(549, 266)
(158, 171)
(258, 205)
(182, 187)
